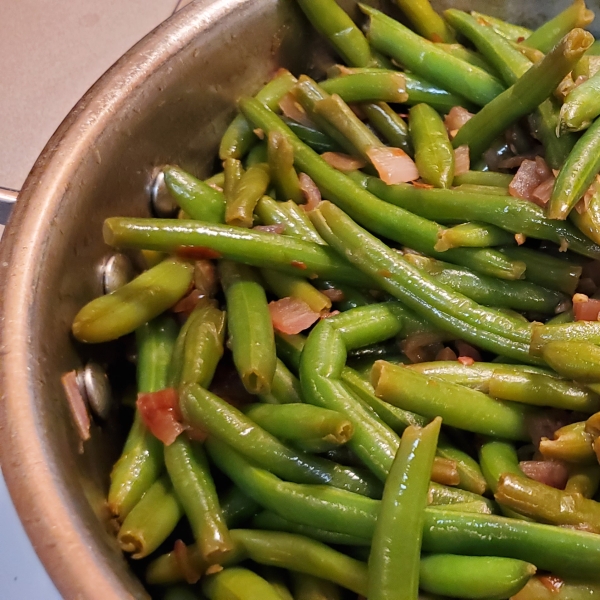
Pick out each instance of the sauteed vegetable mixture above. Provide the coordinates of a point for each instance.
(368, 348)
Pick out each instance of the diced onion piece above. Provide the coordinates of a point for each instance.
(421, 347)
(520, 238)
(462, 161)
(205, 277)
(465, 349)
(551, 582)
(334, 294)
(542, 193)
(530, 176)
(456, 118)
(586, 309)
(292, 315)
(276, 229)
(187, 304)
(184, 562)
(311, 192)
(343, 162)
(446, 354)
(393, 165)
(326, 314)
(543, 425)
(292, 109)
(161, 415)
(77, 405)
(550, 472)
(465, 360)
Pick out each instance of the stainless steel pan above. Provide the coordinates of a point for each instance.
(168, 99)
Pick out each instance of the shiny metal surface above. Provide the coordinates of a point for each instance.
(167, 100)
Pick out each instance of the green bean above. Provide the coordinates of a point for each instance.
(444, 496)
(547, 504)
(512, 214)
(314, 138)
(550, 548)
(181, 593)
(141, 460)
(203, 346)
(571, 443)
(289, 349)
(391, 222)
(250, 328)
(203, 409)
(190, 474)
(516, 295)
(310, 428)
(583, 480)
(281, 164)
(285, 387)
(467, 55)
(240, 584)
(322, 360)
(550, 33)
(581, 106)
(233, 171)
(509, 31)
(250, 188)
(528, 92)
(291, 216)
(578, 331)
(477, 235)
(151, 520)
(459, 406)
(483, 189)
(331, 21)
(478, 506)
(425, 59)
(588, 221)
(434, 155)
(426, 21)
(574, 360)
(284, 286)
(389, 124)
(395, 418)
(349, 296)
(239, 137)
(196, 198)
(277, 578)
(257, 155)
(369, 86)
(541, 390)
(453, 312)
(394, 568)
(564, 317)
(577, 174)
(489, 178)
(471, 477)
(308, 587)
(148, 295)
(474, 576)
(420, 90)
(237, 507)
(553, 588)
(547, 270)
(273, 522)
(253, 248)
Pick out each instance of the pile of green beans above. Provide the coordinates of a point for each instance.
(391, 393)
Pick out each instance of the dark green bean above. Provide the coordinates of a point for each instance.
(203, 409)
(434, 155)
(151, 520)
(393, 567)
(581, 106)
(389, 124)
(239, 137)
(148, 295)
(141, 461)
(237, 507)
(545, 37)
(310, 428)
(424, 58)
(489, 178)
(190, 474)
(459, 406)
(255, 248)
(314, 138)
(528, 92)
(196, 198)
(250, 328)
(308, 587)
(285, 387)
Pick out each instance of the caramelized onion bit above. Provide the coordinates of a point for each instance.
(550, 472)
(343, 162)
(393, 165)
(311, 192)
(462, 161)
(161, 415)
(455, 119)
(586, 309)
(292, 315)
(533, 181)
(292, 109)
(276, 229)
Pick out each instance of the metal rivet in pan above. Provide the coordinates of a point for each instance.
(117, 270)
(95, 388)
(161, 202)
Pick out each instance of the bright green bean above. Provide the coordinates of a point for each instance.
(574, 360)
(426, 21)
(252, 185)
(572, 444)
(148, 295)
(508, 30)
(240, 584)
(281, 164)
(581, 106)
(476, 235)
(369, 86)
(285, 387)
